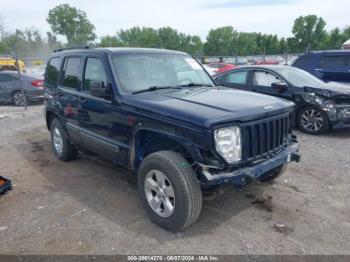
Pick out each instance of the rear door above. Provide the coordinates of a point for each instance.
(68, 94)
(235, 79)
(8, 85)
(335, 67)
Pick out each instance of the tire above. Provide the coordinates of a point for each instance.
(313, 121)
(61, 145)
(178, 176)
(19, 98)
(273, 174)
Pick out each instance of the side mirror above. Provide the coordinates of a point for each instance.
(279, 85)
(97, 89)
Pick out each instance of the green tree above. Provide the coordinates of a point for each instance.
(72, 23)
(220, 41)
(309, 32)
(165, 37)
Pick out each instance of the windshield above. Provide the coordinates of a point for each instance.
(141, 71)
(298, 77)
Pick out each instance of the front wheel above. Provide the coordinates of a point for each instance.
(313, 121)
(169, 190)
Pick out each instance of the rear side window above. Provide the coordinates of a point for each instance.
(237, 77)
(334, 61)
(7, 77)
(71, 71)
(304, 60)
(52, 72)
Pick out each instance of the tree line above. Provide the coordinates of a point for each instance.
(309, 33)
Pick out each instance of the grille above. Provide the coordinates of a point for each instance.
(264, 137)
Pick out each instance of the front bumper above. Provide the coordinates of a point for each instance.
(247, 175)
(340, 118)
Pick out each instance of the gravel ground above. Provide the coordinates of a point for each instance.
(88, 206)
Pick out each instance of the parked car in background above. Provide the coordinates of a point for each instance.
(221, 67)
(210, 70)
(320, 105)
(20, 89)
(8, 62)
(159, 114)
(333, 65)
(266, 62)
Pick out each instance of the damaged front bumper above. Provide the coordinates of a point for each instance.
(340, 117)
(247, 175)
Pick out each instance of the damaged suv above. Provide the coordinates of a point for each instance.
(159, 114)
(320, 105)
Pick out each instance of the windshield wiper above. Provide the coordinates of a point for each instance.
(196, 84)
(154, 88)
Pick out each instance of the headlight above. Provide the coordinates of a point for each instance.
(228, 143)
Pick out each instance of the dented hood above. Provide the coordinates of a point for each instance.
(331, 90)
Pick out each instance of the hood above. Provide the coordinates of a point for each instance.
(207, 106)
(331, 90)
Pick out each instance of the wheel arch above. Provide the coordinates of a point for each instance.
(49, 116)
(147, 141)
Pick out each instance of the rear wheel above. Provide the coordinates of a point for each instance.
(19, 98)
(313, 121)
(169, 190)
(61, 145)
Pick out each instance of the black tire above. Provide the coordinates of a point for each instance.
(320, 128)
(19, 98)
(186, 189)
(69, 151)
(273, 174)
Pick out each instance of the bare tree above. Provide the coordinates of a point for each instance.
(2, 28)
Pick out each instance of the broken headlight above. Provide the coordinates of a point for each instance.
(228, 143)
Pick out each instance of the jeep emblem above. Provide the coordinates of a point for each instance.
(268, 107)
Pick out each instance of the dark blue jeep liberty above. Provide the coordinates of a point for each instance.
(159, 114)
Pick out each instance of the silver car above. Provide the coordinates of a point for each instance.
(20, 89)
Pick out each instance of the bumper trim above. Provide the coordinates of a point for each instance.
(247, 175)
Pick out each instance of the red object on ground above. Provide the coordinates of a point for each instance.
(221, 67)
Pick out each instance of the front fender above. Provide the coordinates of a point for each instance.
(192, 148)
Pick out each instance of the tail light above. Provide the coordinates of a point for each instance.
(38, 83)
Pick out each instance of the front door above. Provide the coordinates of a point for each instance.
(101, 121)
(262, 82)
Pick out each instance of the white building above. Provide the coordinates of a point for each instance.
(346, 45)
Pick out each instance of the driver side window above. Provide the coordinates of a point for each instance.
(94, 71)
(263, 78)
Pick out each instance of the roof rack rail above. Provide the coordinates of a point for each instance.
(73, 47)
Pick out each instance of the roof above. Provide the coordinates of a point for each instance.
(328, 51)
(271, 67)
(347, 42)
(120, 50)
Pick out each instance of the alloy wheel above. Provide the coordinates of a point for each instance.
(312, 120)
(20, 99)
(159, 193)
(57, 140)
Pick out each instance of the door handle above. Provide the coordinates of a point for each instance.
(318, 69)
(82, 99)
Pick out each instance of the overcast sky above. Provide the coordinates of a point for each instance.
(188, 16)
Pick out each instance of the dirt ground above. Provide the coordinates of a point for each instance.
(88, 206)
